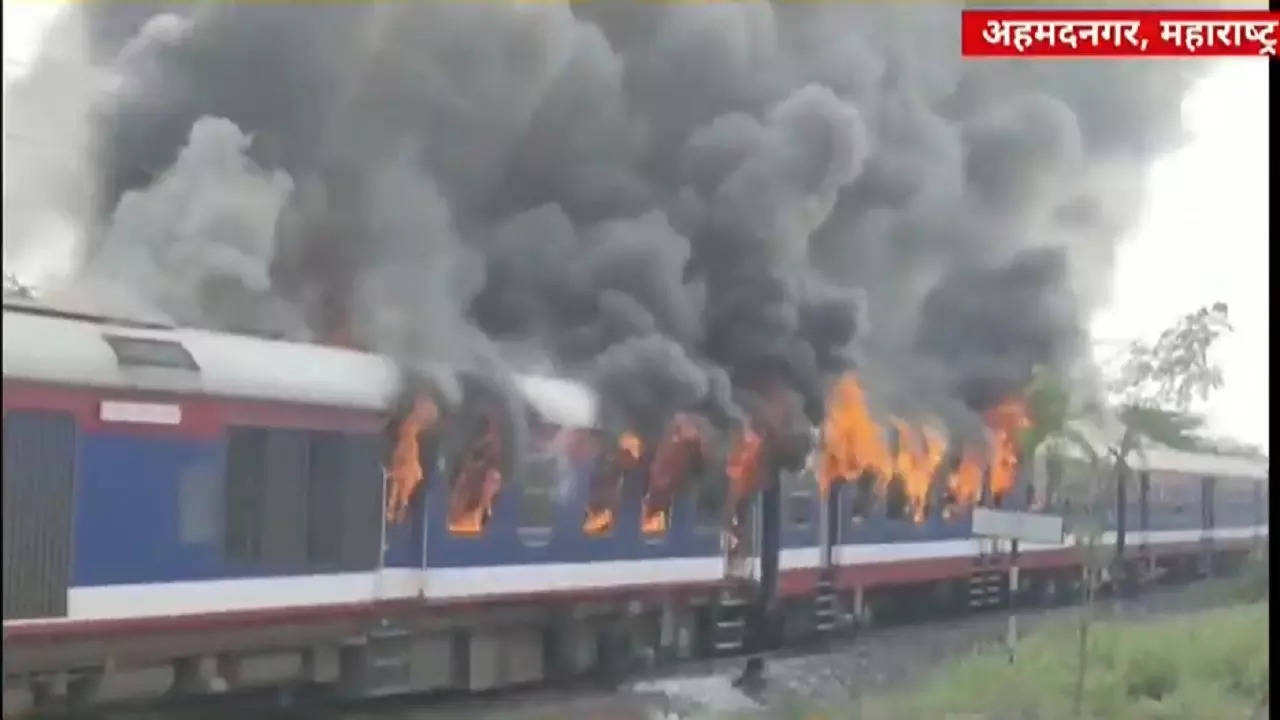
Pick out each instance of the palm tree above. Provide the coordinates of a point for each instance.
(1055, 420)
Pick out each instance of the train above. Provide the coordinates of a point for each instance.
(190, 512)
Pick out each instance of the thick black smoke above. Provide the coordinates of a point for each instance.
(990, 325)
(687, 205)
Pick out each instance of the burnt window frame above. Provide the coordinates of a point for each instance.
(452, 456)
(863, 498)
(800, 485)
(657, 538)
(897, 501)
(600, 470)
(712, 484)
(545, 491)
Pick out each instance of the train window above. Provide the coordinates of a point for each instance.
(198, 505)
(708, 502)
(538, 488)
(895, 499)
(800, 494)
(305, 500)
(145, 352)
(267, 488)
(864, 500)
(476, 473)
(245, 485)
(326, 463)
(800, 510)
(604, 496)
(655, 518)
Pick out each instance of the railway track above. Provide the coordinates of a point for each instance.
(874, 660)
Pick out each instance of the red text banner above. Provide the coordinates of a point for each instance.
(1118, 33)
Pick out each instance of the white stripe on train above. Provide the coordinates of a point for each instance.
(145, 600)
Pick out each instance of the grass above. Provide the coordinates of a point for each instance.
(1207, 666)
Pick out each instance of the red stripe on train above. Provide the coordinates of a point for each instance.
(54, 631)
(202, 416)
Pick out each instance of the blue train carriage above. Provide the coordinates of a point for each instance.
(1193, 513)
(550, 576)
(1174, 514)
(197, 510)
(895, 555)
(173, 496)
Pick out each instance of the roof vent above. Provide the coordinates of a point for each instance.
(145, 352)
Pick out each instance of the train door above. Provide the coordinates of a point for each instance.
(828, 526)
(1207, 523)
(1122, 512)
(739, 541)
(1259, 513)
(770, 538)
(1144, 521)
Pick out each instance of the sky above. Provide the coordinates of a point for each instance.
(1203, 237)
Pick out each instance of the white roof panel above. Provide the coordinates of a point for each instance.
(1161, 458)
(72, 351)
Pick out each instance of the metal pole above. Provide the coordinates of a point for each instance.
(1012, 638)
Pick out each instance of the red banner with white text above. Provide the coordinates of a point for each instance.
(1118, 33)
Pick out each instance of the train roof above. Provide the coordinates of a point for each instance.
(1160, 458)
(74, 347)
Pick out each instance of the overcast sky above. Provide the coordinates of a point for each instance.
(1203, 238)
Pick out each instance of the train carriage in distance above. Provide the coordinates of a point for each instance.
(189, 512)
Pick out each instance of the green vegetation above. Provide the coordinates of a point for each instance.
(1207, 666)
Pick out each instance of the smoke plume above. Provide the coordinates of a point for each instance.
(687, 205)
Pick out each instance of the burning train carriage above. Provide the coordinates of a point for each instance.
(539, 537)
(231, 494)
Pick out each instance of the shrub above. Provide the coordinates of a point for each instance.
(1211, 665)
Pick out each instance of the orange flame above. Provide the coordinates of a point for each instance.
(653, 522)
(681, 448)
(1007, 421)
(405, 474)
(916, 463)
(743, 467)
(471, 520)
(599, 521)
(477, 483)
(965, 484)
(630, 448)
(851, 441)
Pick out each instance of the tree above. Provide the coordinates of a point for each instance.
(1055, 414)
(1152, 395)
(1176, 369)
(1157, 385)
